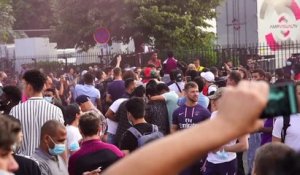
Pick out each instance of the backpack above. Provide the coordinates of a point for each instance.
(146, 138)
(286, 124)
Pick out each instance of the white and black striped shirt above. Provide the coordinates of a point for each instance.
(32, 115)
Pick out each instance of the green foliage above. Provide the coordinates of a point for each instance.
(33, 14)
(6, 21)
(168, 24)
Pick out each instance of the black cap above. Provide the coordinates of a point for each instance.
(82, 99)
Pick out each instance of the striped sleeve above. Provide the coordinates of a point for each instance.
(13, 111)
(60, 116)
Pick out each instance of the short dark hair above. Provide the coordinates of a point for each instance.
(151, 88)
(151, 65)
(289, 165)
(50, 90)
(107, 70)
(268, 76)
(279, 72)
(117, 71)
(9, 130)
(89, 124)
(13, 93)
(189, 85)
(214, 70)
(136, 107)
(99, 74)
(128, 82)
(139, 91)
(268, 156)
(36, 79)
(260, 72)
(170, 54)
(235, 76)
(49, 127)
(200, 82)
(70, 113)
(162, 86)
(246, 73)
(129, 74)
(193, 74)
(88, 78)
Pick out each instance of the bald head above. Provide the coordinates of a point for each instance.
(50, 128)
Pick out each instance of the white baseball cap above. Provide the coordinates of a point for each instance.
(208, 76)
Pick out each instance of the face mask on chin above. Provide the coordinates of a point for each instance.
(48, 99)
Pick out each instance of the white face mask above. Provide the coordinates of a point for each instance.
(288, 63)
(2, 172)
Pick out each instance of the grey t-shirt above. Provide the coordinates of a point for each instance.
(50, 165)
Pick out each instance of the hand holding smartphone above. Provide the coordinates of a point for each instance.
(282, 101)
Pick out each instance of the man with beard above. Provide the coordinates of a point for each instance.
(189, 115)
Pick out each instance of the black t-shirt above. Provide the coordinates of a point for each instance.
(157, 114)
(129, 141)
(26, 166)
(123, 123)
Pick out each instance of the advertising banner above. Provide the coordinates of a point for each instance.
(278, 22)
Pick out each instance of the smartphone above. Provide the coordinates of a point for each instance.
(282, 101)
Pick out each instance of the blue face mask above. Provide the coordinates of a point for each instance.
(222, 155)
(48, 99)
(74, 147)
(58, 148)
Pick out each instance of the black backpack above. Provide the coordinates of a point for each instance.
(286, 124)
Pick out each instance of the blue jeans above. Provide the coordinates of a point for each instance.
(254, 143)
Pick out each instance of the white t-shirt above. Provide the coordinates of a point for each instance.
(171, 99)
(217, 158)
(173, 87)
(73, 135)
(112, 125)
(292, 137)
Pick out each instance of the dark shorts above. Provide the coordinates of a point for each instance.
(227, 168)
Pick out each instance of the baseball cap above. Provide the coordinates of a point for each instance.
(218, 94)
(208, 76)
(82, 99)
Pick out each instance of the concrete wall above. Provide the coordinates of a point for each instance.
(237, 22)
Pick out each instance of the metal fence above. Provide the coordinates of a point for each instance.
(266, 56)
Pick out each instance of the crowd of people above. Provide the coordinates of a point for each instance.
(199, 120)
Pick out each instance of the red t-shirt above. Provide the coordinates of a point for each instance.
(157, 63)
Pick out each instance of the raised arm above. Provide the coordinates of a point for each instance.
(167, 156)
(158, 98)
(243, 145)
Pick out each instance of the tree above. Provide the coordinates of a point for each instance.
(6, 21)
(167, 23)
(32, 14)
